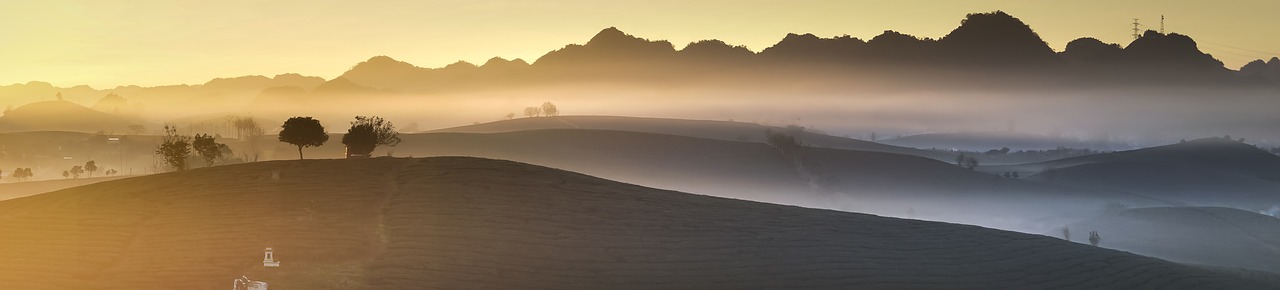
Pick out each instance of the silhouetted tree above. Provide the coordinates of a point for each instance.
(66, 174)
(1094, 238)
(1066, 233)
(367, 133)
(76, 171)
(787, 143)
(510, 116)
(90, 167)
(532, 111)
(22, 174)
(303, 132)
(970, 163)
(174, 148)
(208, 148)
(960, 160)
(550, 110)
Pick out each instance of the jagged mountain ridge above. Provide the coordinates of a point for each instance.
(993, 42)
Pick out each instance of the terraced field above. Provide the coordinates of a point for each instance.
(467, 223)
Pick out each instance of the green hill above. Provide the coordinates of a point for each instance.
(466, 223)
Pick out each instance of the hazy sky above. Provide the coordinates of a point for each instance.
(105, 43)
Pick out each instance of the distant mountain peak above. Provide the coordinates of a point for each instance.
(1170, 49)
(996, 37)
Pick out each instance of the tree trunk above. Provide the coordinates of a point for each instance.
(299, 152)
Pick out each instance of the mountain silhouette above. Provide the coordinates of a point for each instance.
(1266, 71)
(808, 47)
(997, 39)
(609, 46)
(987, 51)
(1169, 51)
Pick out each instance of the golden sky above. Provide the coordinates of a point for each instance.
(104, 43)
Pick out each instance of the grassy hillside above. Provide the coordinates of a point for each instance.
(1200, 235)
(465, 223)
(11, 190)
(720, 130)
(1200, 172)
(871, 182)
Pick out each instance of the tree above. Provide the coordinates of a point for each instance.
(248, 129)
(960, 160)
(532, 111)
(76, 171)
(367, 133)
(303, 132)
(510, 116)
(1094, 238)
(174, 149)
(1066, 233)
(550, 110)
(21, 174)
(970, 163)
(208, 148)
(90, 167)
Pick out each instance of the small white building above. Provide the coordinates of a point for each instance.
(269, 259)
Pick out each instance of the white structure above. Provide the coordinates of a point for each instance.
(243, 283)
(269, 260)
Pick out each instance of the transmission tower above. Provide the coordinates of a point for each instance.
(1136, 30)
(1161, 23)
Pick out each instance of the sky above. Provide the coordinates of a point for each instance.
(107, 43)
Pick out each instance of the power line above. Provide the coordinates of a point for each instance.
(1241, 48)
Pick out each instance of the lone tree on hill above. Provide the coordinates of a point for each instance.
(532, 111)
(550, 110)
(208, 148)
(175, 148)
(367, 133)
(76, 171)
(303, 132)
(90, 167)
(1094, 238)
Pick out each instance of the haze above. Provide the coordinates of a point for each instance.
(150, 42)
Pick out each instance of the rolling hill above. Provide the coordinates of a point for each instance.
(1213, 236)
(466, 223)
(1211, 171)
(720, 130)
(62, 116)
(871, 182)
(983, 141)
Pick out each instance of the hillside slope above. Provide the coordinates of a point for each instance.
(465, 223)
(1212, 171)
(1200, 235)
(62, 116)
(720, 130)
(869, 182)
